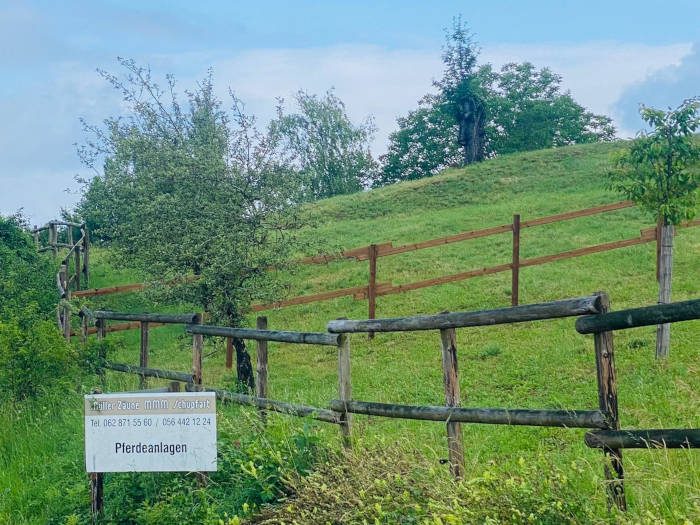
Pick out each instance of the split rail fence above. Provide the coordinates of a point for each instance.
(74, 272)
(373, 252)
(594, 318)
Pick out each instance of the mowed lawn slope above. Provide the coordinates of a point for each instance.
(534, 365)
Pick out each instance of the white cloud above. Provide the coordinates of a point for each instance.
(37, 149)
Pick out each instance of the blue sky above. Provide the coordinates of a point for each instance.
(380, 56)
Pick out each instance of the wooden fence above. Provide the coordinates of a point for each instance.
(373, 252)
(594, 318)
(74, 271)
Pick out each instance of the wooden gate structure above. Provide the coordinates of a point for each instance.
(594, 317)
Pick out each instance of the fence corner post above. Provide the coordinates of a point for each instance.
(261, 367)
(450, 373)
(344, 387)
(607, 402)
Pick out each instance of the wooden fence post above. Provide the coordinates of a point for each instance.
(450, 373)
(197, 345)
(66, 317)
(607, 402)
(229, 352)
(86, 257)
(372, 289)
(344, 387)
(665, 247)
(53, 238)
(83, 328)
(96, 487)
(261, 367)
(77, 267)
(659, 227)
(96, 495)
(515, 272)
(143, 381)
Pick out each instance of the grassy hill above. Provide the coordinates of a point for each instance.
(534, 365)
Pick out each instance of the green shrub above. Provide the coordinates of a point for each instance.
(33, 356)
(26, 276)
(392, 485)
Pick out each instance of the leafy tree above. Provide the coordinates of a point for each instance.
(462, 93)
(655, 173)
(191, 190)
(331, 153)
(423, 146)
(529, 111)
(479, 113)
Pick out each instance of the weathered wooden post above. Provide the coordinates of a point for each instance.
(663, 331)
(515, 270)
(344, 387)
(53, 238)
(77, 267)
(143, 381)
(607, 402)
(372, 289)
(450, 373)
(174, 386)
(229, 352)
(86, 256)
(96, 487)
(197, 345)
(66, 304)
(83, 328)
(69, 235)
(36, 236)
(261, 367)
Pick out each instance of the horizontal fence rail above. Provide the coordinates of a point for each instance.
(516, 314)
(283, 407)
(150, 372)
(308, 338)
(493, 416)
(635, 317)
(148, 318)
(657, 438)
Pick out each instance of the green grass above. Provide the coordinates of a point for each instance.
(535, 365)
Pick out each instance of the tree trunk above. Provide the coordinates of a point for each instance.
(663, 331)
(244, 368)
(471, 130)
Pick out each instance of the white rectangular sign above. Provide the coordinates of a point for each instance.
(144, 432)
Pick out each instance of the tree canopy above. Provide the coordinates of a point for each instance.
(187, 188)
(655, 171)
(331, 153)
(479, 113)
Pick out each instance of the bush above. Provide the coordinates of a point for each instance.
(26, 276)
(33, 356)
(391, 485)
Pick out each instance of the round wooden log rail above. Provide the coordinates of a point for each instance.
(321, 414)
(265, 335)
(148, 318)
(656, 438)
(492, 416)
(516, 314)
(150, 372)
(645, 316)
